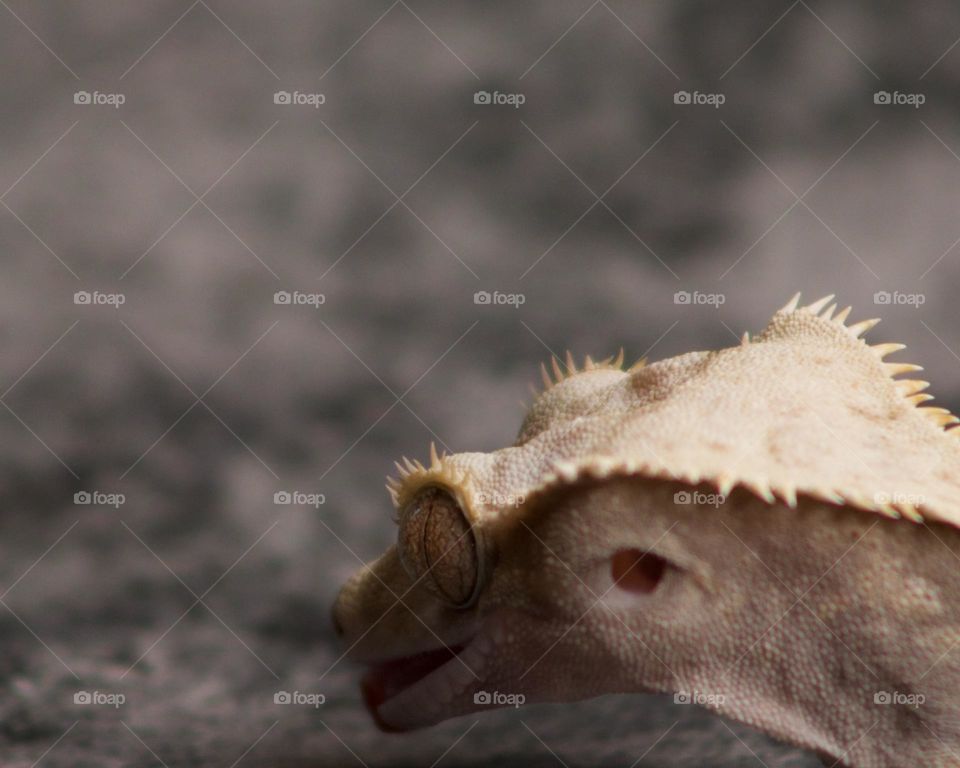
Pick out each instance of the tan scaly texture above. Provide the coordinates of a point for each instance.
(806, 407)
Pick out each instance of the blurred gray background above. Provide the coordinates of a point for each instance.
(397, 199)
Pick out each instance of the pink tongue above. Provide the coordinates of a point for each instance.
(386, 680)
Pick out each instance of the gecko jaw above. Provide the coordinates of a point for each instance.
(409, 692)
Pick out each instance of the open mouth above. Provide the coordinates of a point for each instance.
(385, 680)
(415, 691)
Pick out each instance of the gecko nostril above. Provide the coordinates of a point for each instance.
(335, 620)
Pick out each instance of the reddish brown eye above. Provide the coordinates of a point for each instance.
(439, 548)
(634, 570)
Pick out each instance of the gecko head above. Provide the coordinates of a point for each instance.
(548, 602)
(694, 525)
(502, 588)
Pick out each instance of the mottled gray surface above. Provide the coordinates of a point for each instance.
(321, 400)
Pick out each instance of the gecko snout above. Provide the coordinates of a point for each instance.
(335, 619)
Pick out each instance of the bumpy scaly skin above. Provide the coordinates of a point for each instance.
(826, 582)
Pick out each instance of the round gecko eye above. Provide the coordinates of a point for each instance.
(439, 548)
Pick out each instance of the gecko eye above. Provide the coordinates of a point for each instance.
(439, 548)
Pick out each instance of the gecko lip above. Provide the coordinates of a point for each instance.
(390, 678)
(411, 692)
